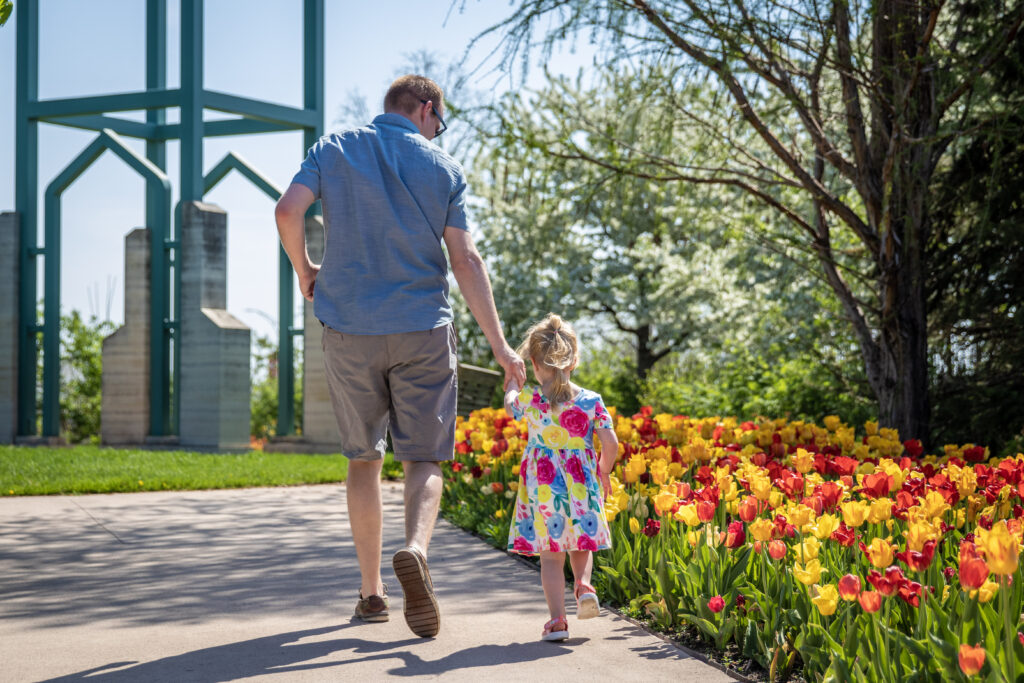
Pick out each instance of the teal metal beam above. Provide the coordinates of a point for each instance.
(234, 162)
(26, 197)
(191, 101)
(259, 110)
(172, 131)
(103, 104)
(106, 140)
(161, 420)
(313, 111)
(132, 129)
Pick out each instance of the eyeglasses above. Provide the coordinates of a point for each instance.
(444, 126)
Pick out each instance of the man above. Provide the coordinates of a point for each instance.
(389, 199)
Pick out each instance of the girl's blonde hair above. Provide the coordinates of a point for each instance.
(552, 343)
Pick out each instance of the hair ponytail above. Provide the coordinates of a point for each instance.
(552, 343)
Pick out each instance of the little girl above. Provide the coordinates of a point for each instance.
(560, 504)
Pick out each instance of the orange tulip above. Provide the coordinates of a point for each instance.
(971, 659)
(777, 549)
(870, 601)
(748, 509)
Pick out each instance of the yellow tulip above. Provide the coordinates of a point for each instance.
(1000, 547)
(824, 526)
(919, 533)
(832, 422)
(934, 504)
(808, 550)
(880, 511)
(761, 487)
(802, 461)
(664, 502)
(854, 513)
(825, 598)
(881, 553)
(800, 516)
(809, 573)
(986, 592)
(634, 525)
(659, 471)
(760, 529)
(687, 514)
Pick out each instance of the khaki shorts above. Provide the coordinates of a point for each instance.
(406, 383)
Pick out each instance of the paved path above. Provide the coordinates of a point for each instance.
(260, 584)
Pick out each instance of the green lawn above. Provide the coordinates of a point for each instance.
(92, 469)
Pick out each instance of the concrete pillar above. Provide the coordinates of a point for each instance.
(9, 263)
(319, 426)
(214, 344)
(124, 417)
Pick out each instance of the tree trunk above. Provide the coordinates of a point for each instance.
(901, 162)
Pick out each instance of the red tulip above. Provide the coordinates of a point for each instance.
(705, 511)
(877, 485)
(735, 536)
(716, 604)
(973, 573)
(918, 561)
(844, 535)
(652, 528)
(849, 587)
(870, 601)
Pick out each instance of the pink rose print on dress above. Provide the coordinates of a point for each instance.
(538, 402)
(553, 546)
(575, 469)
(521, 545)
(545, 471)
(574, 421)
(585, 543)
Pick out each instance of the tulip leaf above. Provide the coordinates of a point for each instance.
(705, 626)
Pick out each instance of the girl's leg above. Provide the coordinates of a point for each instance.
(552, 578)
(582, 562)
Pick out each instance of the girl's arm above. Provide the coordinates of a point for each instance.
(609, 454)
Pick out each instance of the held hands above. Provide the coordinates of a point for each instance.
(307, 281)
(515, 368)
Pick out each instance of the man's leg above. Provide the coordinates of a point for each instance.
(423, 486)
(365, 515)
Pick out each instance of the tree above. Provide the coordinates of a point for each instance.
(6, 7)
(81, 376)
(874, 96)
(587, 242)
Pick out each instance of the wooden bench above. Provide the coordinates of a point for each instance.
(476, 388)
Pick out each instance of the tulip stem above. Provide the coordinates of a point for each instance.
(1004, 602)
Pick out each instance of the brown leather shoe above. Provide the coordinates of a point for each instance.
(373, 608)
(421, 611)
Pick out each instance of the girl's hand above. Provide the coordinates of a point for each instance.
(606, 484)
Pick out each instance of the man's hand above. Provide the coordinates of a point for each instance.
(307, 281)
(515, 368)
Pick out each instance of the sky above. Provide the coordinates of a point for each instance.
(253, 48)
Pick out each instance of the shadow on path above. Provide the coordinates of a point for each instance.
(285, 652)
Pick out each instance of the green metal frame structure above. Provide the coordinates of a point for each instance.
(93, 113)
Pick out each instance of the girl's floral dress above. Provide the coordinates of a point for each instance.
(560, 505)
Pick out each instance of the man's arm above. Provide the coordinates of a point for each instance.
(290, 213)
(471, 274)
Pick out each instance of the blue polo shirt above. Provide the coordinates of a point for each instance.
(387, 194)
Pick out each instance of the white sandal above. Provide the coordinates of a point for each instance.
(556, 630)
(587, 605)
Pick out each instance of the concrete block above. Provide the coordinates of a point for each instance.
(215, 382)
(124, 417)
(10, 240)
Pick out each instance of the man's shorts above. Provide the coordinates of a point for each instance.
(406, 383)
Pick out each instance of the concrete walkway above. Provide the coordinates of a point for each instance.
(260, 584)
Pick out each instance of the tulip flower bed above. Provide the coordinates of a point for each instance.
(849, 554)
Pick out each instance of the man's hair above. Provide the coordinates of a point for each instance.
(405, 94)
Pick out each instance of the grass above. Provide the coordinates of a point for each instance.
(36, 471)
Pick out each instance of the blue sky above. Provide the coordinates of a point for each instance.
(253, 48)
